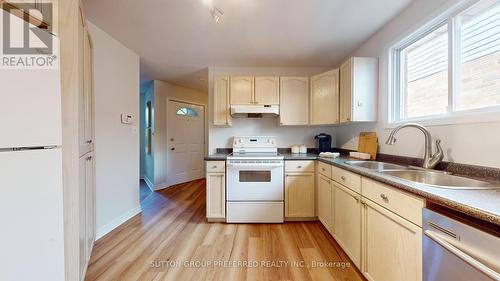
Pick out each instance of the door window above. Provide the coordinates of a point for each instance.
(187, 111)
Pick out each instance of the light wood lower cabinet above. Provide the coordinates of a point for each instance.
(86, 210)
(299, 195)
(347, 217)
(216, 191)
(325, 199)
(376, 225)
(392, 246)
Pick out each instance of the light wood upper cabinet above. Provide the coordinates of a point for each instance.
(347, 217)
(242, 90)
(325, 200)
(358, 90)
(392, 246)
(325, 98)
(222, 114)
(294, 101)
(216, 191)
(267, 90)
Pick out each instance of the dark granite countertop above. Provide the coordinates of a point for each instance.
(217, 157)
(301, 156)
(481, 204)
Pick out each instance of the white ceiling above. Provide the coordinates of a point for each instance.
(177, 39)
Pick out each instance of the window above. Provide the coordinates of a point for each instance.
(451, 67)
(187, 111)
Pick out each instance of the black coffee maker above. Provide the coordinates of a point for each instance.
(323, 142)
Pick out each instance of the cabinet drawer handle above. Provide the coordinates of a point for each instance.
(343, 178)
(214, 166)
(299, 167)
(384, 197)
(323, 169)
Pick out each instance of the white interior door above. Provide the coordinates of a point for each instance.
(186, 142)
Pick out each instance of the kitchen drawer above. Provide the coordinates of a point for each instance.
(403, 204)
(325, 169)
(346, 178)
(299, 166)
(216, 166)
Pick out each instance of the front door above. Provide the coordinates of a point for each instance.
(186, 142)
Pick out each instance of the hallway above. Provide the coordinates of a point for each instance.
(171, 231)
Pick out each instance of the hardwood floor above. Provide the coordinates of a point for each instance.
(144, 190)
(170, 240)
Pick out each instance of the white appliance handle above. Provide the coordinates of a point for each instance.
(255, 165)
(463, 256)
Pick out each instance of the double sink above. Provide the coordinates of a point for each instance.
(433, 178)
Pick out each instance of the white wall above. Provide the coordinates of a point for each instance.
(163, 92)
(116, 86)
(471, 143)
(221, 137)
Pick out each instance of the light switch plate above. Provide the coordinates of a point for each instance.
(127, 119)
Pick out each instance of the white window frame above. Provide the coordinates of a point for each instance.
(476, 115)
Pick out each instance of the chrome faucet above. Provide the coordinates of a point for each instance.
(430, 160)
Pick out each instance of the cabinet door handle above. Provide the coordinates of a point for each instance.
(343, 178)
(89, 141)
(89, 158)
(173, 148)
(384, 197)
(323, 169)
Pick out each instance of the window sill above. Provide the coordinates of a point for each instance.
(482, 115)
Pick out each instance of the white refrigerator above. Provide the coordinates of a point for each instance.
(31, 187)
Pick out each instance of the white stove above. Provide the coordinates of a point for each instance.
(255, 181)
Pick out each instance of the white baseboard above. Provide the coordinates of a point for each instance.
(161, 186)
(117, 222)
(149, 183)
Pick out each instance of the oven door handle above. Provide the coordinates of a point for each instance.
(255, 165)
(463, 256)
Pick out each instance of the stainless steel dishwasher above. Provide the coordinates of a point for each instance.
(456, 251)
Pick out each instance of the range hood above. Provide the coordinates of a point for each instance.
(255, 110)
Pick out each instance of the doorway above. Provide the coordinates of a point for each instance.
(186, 142)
